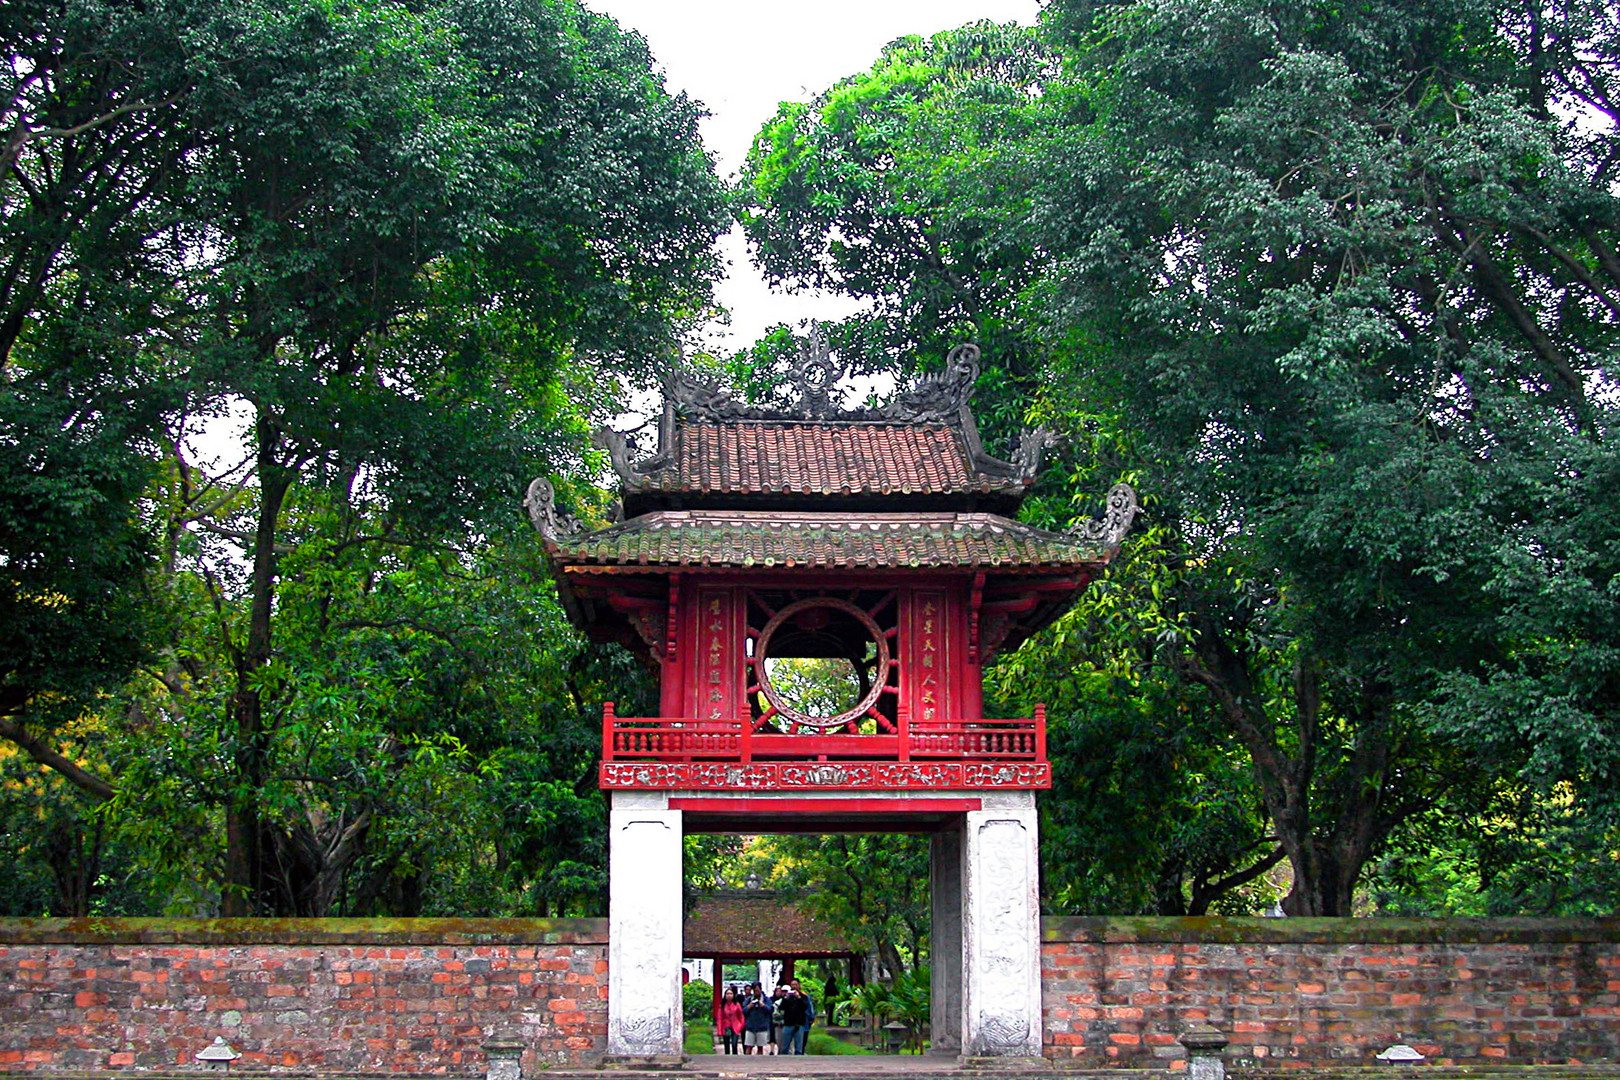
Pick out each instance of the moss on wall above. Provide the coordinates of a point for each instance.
(1216, 930)
(302, 931)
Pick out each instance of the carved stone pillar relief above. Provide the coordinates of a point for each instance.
(644, 927)
(1001, 932)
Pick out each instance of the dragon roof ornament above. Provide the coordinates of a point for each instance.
(1110, 529)
(811, 379)
(541, 503)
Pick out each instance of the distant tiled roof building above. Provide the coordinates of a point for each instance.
(749, 924)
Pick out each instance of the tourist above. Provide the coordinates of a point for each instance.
(756, 1022)
(809, 1010)
(776, 1019)
(728, 1021)
(795, 1018)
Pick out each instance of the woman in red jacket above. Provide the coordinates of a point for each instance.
(728, 1021)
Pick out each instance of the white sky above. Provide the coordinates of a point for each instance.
(740, 58)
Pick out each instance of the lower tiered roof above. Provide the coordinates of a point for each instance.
(711, 538)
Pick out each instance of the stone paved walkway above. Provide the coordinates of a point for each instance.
(908, 1065)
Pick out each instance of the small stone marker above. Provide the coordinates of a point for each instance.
(1204, 1043)
(1399, 1054)
(505, 1055)
(218, 1053)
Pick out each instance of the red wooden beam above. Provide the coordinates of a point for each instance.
(743, 805)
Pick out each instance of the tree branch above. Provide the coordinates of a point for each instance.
(70, 770)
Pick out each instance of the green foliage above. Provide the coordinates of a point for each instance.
(1277, 312)
(893, 186)
(874, 1002)
(824, 1045)
(1151, 810)
(697, 1002)
(699, 1039)
(64, 858)
(871, 887)
(870, 1000)
(84, 175)
(401, 254)
(1336, 289)
(909, 1003)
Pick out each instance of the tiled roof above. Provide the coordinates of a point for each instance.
(757, 924)
(819, 458)
(881, 541)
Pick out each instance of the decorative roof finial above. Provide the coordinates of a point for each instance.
(939, 399)
(1110, 529)
(541, 503)
(814, 374)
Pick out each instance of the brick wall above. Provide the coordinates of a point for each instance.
(423, 995)
(1333, 991)
(350, 995)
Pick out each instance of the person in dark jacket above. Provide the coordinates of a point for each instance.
(756, 1021)
(795, 1018)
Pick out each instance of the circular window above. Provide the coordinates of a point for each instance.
(815, 685)
(814, 663)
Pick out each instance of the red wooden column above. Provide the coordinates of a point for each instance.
(714, 977)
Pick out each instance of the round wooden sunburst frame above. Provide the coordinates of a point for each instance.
(796, 717)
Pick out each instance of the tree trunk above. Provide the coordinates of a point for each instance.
(245, 890)
(1326, 845)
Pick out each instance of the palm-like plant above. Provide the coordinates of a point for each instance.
(909, 1002)
(871, 1000)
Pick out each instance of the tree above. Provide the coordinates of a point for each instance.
(1343, 263)
(1152, 808)
(90, 159)
(890, 187)
(413, 242)
(872, 886)
(1335, 287)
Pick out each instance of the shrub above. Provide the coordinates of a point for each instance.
(820, 1042)
(697, 1001)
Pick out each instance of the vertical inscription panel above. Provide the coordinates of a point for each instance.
(717, 659)
(925, 664)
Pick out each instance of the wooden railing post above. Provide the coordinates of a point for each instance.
(1040, 733)
(607, 731)
(902, 715)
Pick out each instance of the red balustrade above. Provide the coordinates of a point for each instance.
(685, 739)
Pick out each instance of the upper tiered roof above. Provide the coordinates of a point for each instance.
(922, 451)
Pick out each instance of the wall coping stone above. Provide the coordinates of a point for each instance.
(141, 931)
(1215, 930)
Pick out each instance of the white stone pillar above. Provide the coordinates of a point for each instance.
(1001, 929)
(644, 925)
(945, 938)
